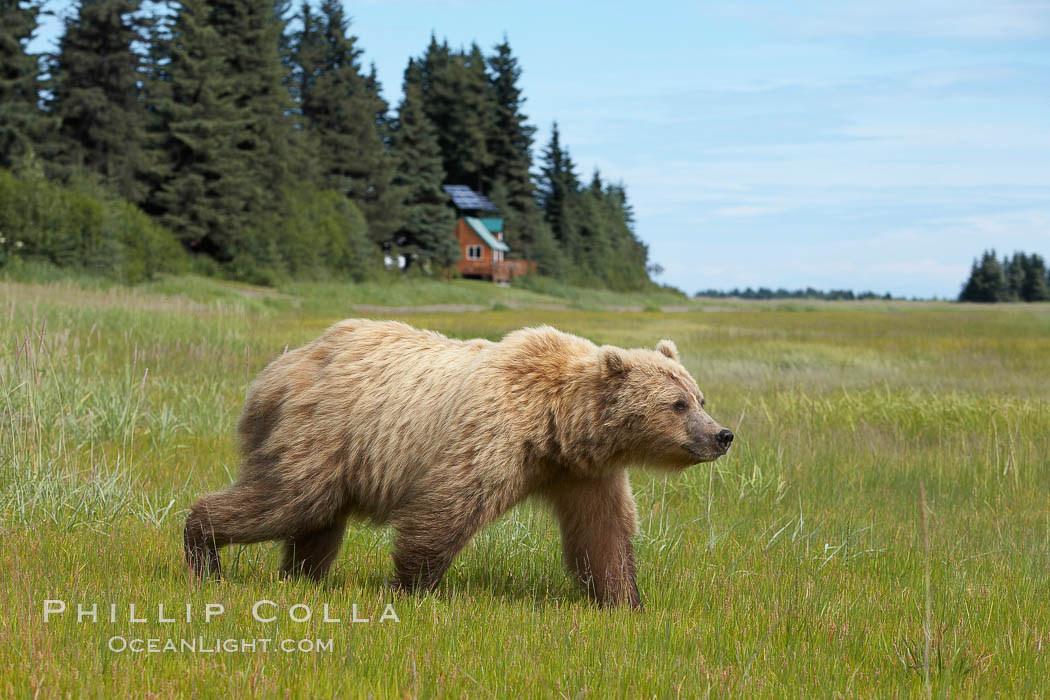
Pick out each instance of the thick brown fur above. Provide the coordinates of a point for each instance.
(439, 437)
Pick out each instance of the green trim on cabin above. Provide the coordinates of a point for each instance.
(483, 233)
(493, 224)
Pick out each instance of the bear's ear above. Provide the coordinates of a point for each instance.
(667, 348)
(611, 361)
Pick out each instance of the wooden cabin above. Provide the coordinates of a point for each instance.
(480, 235)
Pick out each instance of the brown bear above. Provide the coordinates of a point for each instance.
(438, 437)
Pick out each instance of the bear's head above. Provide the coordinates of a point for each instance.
(653, 410)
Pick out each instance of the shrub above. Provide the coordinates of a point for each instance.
(71, 228)
(324, 236)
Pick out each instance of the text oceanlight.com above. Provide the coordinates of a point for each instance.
(201, 645)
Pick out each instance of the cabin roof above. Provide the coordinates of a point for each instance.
(493, 224)
(466, 199)
(478, 226)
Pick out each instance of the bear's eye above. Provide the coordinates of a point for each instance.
(680, 406)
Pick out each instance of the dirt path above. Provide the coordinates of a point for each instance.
(461, 308)
(429, 308)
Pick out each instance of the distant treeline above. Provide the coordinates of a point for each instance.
(1022, 277)
(807, 293)
(253, 135)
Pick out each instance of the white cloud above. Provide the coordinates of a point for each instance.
(927, 268)
(1027, 229)
(747, 210)
(940, 78)
(950, 19)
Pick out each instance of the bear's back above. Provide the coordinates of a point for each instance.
(377, 378)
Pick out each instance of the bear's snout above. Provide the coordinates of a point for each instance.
(707, 439)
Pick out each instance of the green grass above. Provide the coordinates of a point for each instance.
(392, 289)
(793, 567)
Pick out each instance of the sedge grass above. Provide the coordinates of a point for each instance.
(793, 567)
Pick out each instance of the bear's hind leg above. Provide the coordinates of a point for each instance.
(239, 515)
(201, 548)
(311, 554)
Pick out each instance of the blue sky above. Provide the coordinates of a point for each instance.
(877, 145)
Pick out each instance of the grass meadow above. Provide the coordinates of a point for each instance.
(800, 565)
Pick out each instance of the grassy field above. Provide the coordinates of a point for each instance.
(795, 566)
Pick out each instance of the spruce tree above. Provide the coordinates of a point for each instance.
(226, 146)
(438, 99)
(199, 193)
(611, 255)
(987, 282)
(969, 289)
(304, 163)
(303, 53)
(96, 95)
(253, 31)
(156, 96)
(629, 266)
(595, 229)
(428, 220)
(510, 137)
(476, 114)
(340, 108)
(1034, 280)
(457, 100)
(286, 41)
(21, 121)
(592, 225)
(1013, 272)
(510, 145)
(527, 234)
(383, 123)
(557, 191)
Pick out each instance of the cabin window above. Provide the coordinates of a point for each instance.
(473, 252)
(497, 255)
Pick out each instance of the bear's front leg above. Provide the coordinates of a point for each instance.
(598, 520)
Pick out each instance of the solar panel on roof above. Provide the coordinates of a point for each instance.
(465, 198)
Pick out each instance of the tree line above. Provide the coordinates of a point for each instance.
(782, 293)
(1022, 277)
(252, 134)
